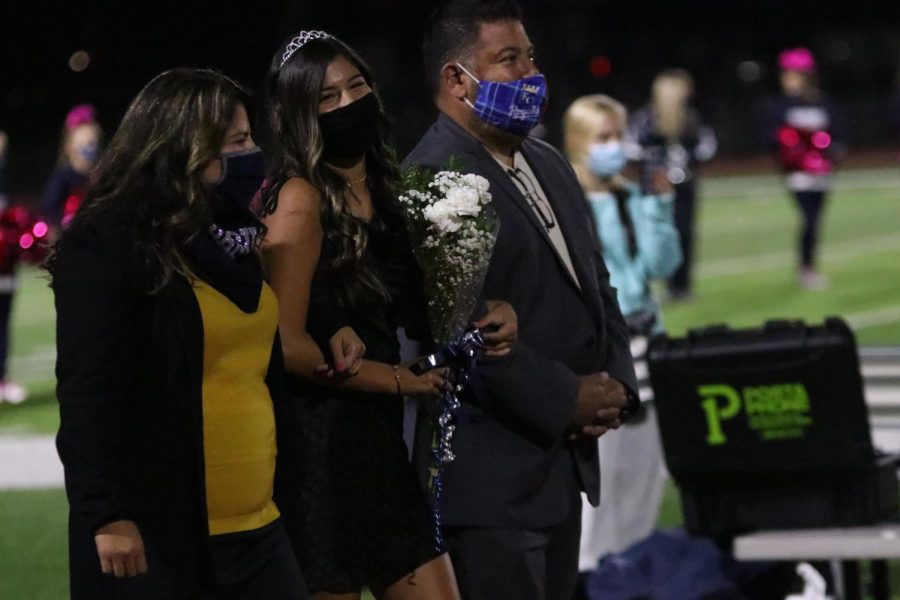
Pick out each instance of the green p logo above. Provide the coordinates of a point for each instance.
(717, 411)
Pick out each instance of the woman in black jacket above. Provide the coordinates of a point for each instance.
(169, 369)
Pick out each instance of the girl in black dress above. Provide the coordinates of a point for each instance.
(339, 259)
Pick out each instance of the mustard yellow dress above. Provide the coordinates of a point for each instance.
(238, 416)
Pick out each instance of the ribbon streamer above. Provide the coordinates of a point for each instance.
(459, 359)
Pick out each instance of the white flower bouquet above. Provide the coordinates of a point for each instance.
(452, 229)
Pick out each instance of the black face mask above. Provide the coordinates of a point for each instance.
(349, 131)
(243, 174)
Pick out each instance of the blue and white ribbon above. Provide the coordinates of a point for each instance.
(459, 359)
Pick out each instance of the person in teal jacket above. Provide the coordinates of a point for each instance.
(638, 247)
(635, 226)
(640, 244)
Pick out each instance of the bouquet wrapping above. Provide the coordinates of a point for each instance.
(452, 229)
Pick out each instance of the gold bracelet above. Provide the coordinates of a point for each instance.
(397, 379)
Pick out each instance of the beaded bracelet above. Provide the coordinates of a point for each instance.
(397, 379)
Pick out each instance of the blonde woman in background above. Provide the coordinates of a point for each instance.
(669, 134)
(640, 244)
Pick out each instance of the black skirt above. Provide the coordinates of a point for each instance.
(362, 518)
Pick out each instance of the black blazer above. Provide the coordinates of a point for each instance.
(513, 467)
(129, 379)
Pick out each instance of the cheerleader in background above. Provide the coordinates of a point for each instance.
(20, 237)
(669, 134)
(79, 150)
(9, 391)
(640, 244)
(801, 127)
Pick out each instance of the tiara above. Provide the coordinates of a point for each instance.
(300, 41)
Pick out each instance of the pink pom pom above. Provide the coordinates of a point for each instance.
(797, 59)
(81, 115)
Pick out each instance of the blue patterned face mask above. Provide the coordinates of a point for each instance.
(513, 106)
(606, 159)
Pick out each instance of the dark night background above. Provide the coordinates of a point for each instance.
(857, 45)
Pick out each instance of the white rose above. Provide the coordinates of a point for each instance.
(478, 182)
(443, 215)
(463, 201)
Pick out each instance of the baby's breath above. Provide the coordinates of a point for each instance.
(453, 231)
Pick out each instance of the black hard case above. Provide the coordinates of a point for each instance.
(829, 476)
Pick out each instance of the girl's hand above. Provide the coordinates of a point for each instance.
(348, 351)
(429, 383)
(502, 316)
(121, 549)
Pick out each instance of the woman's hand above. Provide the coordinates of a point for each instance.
(660, 184)
(429, 383)
(348, 350)
(121, 549)
(502, 316)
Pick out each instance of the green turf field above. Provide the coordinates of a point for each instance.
(747, 237)
(744, 276)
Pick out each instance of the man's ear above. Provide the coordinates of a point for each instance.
(453, 81)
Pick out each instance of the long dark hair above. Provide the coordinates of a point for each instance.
(292, 107)
(174, 127)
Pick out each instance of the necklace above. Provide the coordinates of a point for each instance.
(352, 183)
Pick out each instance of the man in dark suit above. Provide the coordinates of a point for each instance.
(524, 442)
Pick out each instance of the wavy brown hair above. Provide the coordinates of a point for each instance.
(292, 108)
(153, 167)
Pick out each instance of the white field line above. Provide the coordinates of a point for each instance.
(44, 355)
(727, 225)
(889, 173)
(883, 316)
(783, 217)
(37, 366)
(836, 252)
(29, 462)
(766, 186)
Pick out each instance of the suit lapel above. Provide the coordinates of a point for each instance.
(495, 173)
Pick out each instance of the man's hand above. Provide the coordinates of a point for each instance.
(600, 400)
(502, 316)
(347, 350)
(121, 549)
